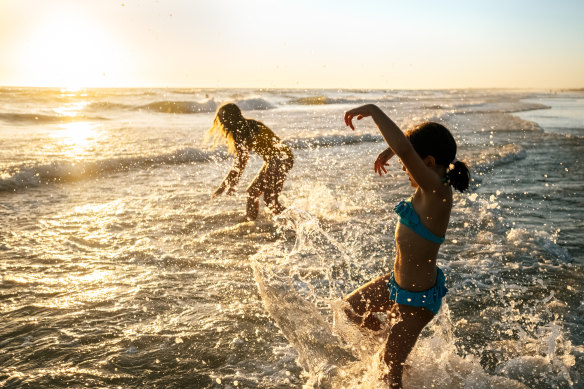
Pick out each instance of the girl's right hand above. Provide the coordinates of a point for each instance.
(381, 161)
(219, 190)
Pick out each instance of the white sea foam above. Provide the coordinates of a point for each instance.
(22, 177)
(496, 157)
(343, 356)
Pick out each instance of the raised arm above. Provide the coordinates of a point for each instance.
(232, 178)
(424, 176)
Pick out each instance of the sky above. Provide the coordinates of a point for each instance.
(365, 44)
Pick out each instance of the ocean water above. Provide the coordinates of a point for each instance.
(118, 270)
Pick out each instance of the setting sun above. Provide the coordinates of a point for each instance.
(70, 52)
(302, 44)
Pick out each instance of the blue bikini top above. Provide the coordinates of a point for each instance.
(409, 218)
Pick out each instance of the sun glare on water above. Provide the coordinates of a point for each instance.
(77, 139)
(70, 52)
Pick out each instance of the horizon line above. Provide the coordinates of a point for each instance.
(76, 88)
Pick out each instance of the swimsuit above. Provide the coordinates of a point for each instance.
(430, 299)
(268, 146)
(409, 218)
(278, 160)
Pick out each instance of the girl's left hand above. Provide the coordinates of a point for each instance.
(360, 112)
(381, 161)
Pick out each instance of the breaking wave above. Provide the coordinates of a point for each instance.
(23, 177)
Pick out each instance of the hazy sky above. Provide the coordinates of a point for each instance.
(296, 43)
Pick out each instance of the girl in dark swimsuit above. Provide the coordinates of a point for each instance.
(412, 293)
(242, 136)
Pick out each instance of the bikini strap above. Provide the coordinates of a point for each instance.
(410, 219)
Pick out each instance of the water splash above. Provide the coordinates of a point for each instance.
(298, 282)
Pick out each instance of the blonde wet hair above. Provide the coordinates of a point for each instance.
(230, 127)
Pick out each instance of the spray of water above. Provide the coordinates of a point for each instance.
(301, 284)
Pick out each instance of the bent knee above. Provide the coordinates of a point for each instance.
(358, 302)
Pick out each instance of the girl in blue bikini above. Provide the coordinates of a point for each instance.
(413, 292)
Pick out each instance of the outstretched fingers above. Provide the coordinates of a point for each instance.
(349, 120)
(359, 112)
(379, 167)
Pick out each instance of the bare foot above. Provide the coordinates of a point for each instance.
(277, 208)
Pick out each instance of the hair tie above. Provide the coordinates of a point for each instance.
(451, 165)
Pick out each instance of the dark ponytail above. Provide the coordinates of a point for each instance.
(434, 139)
(458, 176)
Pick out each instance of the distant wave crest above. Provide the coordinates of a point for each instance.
(322, 100)
(28, 118)
(23, 177)
(105, 105)
(253, 104)
(185, 107)
(179, 106)
(332, 140)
